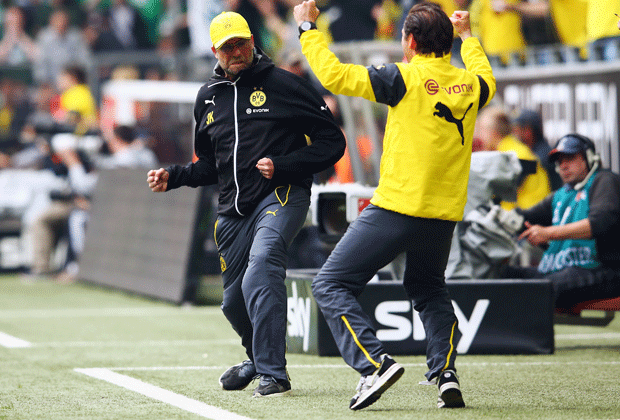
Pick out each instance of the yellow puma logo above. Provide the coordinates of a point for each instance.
(272, 212)
(222, 263)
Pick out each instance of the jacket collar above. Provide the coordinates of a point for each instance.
(419, 58)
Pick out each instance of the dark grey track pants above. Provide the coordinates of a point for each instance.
(253, 255)
(372, 241)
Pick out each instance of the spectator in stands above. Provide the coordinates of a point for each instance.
(250, 9)
(580, 226)
(33, 150)
(602, 28)
(14, 109)
(528, 128)
(59, 45)
(352, 20)
(568, 16)
(98, 33)
(160, 123)
(172, 34)
(76, 99)
(173, 21)
(124, 152)
(16, 47)
(387, 15)
(494, 129)
(281, 33)
(499, 31)
(128, 25)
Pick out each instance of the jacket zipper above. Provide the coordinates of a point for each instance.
(234, 84)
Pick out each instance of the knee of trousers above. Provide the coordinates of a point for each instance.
(234, 310)
(269, 248)
(325, 290)
(233, 304)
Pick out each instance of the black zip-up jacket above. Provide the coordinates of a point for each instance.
(265, 112)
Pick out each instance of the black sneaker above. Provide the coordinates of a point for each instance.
(239, 376)
(449, 390)
(272, 387)
(370, 387)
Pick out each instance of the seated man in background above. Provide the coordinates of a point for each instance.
(579, 224)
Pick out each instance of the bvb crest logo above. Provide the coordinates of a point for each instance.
(258, 98)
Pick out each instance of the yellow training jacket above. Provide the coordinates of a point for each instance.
(428, 137)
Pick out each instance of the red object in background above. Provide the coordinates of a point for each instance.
(362, 203)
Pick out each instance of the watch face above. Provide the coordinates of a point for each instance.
(306, 26)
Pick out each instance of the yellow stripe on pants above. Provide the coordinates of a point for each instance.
(377, 365)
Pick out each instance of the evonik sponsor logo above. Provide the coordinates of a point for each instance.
(402, 327)
(256, 110)
(432, 88)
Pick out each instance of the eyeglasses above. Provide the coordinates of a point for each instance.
(232, 46)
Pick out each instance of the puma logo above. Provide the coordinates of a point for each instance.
(272, 212)
(444, 112)
(212, 101)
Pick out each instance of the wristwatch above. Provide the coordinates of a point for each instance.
(306, 26)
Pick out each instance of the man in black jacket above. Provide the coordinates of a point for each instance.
(261, 132)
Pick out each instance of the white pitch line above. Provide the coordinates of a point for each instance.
(13, 342)
(160, 394)
(108, 312)
(344, 366)
(148, 343)
(17, 343)
(603, 336)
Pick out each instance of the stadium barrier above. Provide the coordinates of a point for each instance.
(495, 317)
(156, 245)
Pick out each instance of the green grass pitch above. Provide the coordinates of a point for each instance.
(82, 352)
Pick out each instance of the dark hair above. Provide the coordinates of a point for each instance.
(431, 29)
(502, 124)
(124, 133)
(77, 73)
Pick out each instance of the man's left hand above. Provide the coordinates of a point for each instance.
(536, 235)
(306, 11)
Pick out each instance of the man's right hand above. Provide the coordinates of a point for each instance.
(460, 21)
(306, 11)
(158, 180)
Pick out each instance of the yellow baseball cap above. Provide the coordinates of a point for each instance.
(228, 25)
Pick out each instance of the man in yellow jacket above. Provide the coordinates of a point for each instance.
(421, 193)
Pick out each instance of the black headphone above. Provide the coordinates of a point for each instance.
(593, 159)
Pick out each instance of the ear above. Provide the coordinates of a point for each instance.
(411, 42)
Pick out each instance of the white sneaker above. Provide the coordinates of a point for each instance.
(370, 387)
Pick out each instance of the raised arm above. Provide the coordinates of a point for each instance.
(338, 78)
(474, 57)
